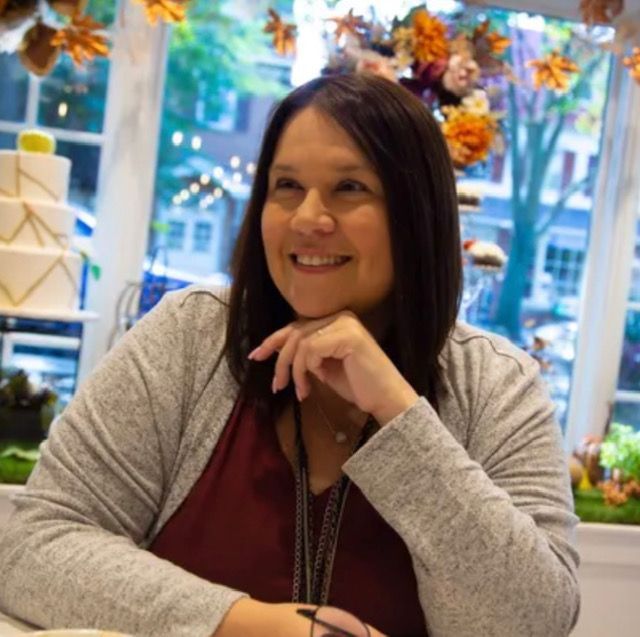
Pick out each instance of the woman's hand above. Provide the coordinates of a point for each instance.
(250, 618)
(341, 353)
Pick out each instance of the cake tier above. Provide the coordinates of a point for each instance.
(39, 279)
(34, 176)
(35, 223)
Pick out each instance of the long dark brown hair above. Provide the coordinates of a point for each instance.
(402, 140)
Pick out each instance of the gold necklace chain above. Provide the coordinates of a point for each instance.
(339, 436)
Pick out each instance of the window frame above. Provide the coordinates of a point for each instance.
(123, 229)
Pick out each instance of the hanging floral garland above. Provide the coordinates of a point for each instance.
(41, 30)
(445, 67)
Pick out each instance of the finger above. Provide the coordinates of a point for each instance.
(282, 373)
(299, 369)
(271, 344)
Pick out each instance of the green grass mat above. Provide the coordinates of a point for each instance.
(590, 507)
(17, 460)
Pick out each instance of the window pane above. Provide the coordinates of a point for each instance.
(212, 121)
(540, 213)
(629, 376)
(7, 141)
(74, 99)
(85, 161)
(627, 413)
(13, 88)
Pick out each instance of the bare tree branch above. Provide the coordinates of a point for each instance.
(560, 205)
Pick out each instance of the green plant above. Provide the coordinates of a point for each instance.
(621, 450)
(16, 392)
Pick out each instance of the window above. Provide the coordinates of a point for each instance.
(541, 219)
(206, 154)
(565, 267)
(202, 236)
(627, 406)
(70, 104)
(175, 236)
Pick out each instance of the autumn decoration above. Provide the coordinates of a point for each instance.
(284, 35)
(632, 62)
(554, 72)
(444, 65)
(41, 30)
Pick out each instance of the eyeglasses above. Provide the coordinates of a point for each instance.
(333, 622)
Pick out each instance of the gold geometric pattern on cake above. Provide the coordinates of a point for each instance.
(38, 224)
(33, 219)
(59, 261)
(18, 172)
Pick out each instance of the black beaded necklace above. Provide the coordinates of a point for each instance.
(313, 566)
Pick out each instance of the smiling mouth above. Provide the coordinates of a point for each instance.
(318, 261)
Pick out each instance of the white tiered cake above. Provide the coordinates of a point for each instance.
(39, 271)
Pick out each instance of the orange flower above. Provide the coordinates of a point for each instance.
(166, 10)
(553, 71)
(80, 40)
(632, 62)
(602, 11)
(284, 35)
(430, 37)
(470, 136)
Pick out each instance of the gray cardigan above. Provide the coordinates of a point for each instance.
(480, 495)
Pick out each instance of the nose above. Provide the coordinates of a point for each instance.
(312, 216)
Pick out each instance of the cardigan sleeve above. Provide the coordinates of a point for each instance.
(489, 524)
(71, 554)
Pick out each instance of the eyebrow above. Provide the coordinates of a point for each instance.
(344, 168)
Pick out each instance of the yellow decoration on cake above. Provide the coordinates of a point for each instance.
(34, 141)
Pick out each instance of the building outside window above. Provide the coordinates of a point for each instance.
(176, 235)
(202, 232)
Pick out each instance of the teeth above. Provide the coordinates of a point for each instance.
(318, 261)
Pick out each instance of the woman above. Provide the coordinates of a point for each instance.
(330, 435)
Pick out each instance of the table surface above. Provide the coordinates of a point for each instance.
(10, 627)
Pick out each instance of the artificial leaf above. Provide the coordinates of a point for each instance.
(600, 11)
(165, 10)
(553, 71)
(632, 62)
(36, 51)
(68, 7)
(80, 39)
(284, 34)
(349, 25)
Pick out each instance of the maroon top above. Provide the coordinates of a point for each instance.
(237, 527)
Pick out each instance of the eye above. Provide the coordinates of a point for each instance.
(351, 185)
(286, 183)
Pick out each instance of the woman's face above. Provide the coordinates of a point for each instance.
(324, 224)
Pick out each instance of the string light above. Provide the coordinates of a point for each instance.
(218, 192)
(177, 200)
(237, 178)
(184, 193)
(63, 109)
(204, 179)
(196, 142)
(218, 172)
(194, 188)
(177, 138)
(234, 162)
(251, 168)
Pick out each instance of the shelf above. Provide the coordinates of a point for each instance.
(75, 316)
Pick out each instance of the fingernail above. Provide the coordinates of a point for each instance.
(274, 389)
(252, 353)
(298, 394)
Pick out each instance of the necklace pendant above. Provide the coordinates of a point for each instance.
(341, 437)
